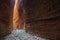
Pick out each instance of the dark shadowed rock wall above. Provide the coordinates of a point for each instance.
(22, 15)
(43, 18)
(6, 13)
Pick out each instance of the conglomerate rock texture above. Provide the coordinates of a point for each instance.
(43, 18)
(6, 11)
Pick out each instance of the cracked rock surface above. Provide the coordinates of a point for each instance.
(21, 35)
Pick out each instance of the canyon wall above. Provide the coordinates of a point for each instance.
(22, 14)
(6, 15)
(18, 15)
(43, 18)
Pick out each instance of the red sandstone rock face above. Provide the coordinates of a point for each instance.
(6, 11)
(43, 18)
(22, 16)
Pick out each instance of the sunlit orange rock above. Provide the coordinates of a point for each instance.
(18, 15)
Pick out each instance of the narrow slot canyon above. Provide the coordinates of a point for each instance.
(29, 20)
(19, 32)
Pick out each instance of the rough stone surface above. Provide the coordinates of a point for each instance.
(43, 18)
(22, 35)
(6, 12)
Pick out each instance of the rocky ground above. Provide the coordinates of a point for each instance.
(21, 35)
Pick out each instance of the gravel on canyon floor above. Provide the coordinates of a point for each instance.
(22, 35)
